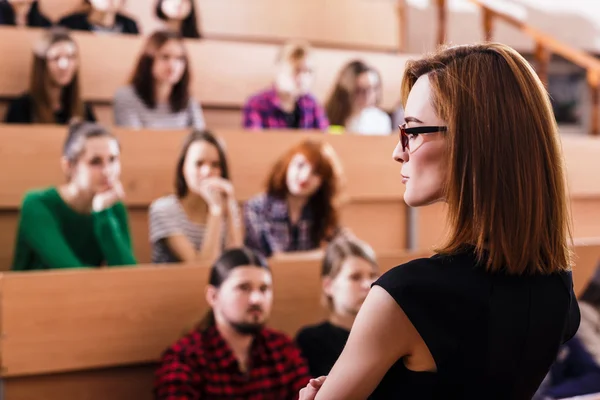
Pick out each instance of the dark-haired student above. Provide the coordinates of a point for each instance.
(231, 354)
(23, 13)
(101, 16)
(82, 223)
(203, 217)
(299, 210)
(54, 95)
(348, 270)
(179, 16)
(158, 96)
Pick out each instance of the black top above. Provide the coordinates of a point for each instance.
(321, 345)
(292, 119)
(20, 111)
(492, 336)
(34, 17)
(79, 22)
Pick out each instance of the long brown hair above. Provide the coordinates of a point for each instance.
(506, 188)
(322, 202)
(40, 80)
(181, 187)
(142, 79)
(339, 104)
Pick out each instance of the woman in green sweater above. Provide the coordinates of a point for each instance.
(82, 223)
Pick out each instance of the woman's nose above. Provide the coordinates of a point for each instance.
(399, 154)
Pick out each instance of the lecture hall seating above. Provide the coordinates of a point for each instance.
(224, 73)
(373, 203)
(105, 344)
(356, 24)
(149, 159)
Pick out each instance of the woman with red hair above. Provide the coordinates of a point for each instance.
(298, 211)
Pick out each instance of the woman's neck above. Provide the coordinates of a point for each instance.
(54, 96)
(174, 25)
(342, 321)
(195, 207)
(21, 11)
(295, 206)
(287, 101)
(162, 92)
(76, 199)
(101, 18)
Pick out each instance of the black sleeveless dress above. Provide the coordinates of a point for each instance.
(492, 336)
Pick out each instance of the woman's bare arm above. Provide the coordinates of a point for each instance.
(381, 335)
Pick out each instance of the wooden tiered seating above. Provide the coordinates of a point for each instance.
(97, 334)
(373, 188)
(149, 158)
(332, 23)
(224, 73)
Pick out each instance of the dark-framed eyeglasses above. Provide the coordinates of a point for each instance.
(415, 136)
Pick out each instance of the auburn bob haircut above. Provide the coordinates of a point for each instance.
(506, 189)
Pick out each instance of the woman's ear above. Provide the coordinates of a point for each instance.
(211, 295)
(327, 284)
(67, 167)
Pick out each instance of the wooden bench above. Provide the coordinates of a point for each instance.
(96, 334)
(224, 73)
(149, 158)
(333, 23)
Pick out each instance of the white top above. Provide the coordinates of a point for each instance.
(131, 112)
(370, 121)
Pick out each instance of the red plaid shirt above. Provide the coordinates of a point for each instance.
(263, 111)
(202, 366)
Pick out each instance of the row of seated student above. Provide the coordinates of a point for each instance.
(158, 95)
(84, 222)
(103, 16)
(232, 354)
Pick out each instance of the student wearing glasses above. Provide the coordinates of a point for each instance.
(486, 315)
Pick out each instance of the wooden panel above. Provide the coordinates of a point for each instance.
(586, 214)
(381, 223)
(123, 383)
(327, 22)
(224, 73)
(120, 316)
(9, 220)
(587, 259)
(324, 22)
(156, 156)
(109, 317)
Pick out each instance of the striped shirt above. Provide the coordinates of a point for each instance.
(168, 218)
(131, 112)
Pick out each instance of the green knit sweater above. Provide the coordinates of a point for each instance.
(52, 235)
